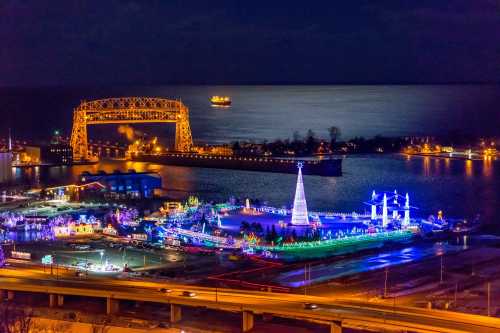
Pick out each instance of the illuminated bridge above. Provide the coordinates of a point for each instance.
(129, 110)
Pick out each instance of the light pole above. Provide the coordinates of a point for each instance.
(101, 252)
(489, 297)
(441, 270)
(385, 281)
(305, 279)
(52, 264)
(57, 267)
(456, 291)
(124, 255)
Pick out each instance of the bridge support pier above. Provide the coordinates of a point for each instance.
(247, 321)
(335, 327)
(52, 300)
(175, 313)
(112, 306)
(56, 300)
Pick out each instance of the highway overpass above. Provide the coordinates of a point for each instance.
(335, 313)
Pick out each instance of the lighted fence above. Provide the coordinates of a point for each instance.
(397, 235)
(328, 214)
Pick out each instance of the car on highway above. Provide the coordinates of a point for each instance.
(310, 306)
(82, 247)
(188, 293)
(165, 290)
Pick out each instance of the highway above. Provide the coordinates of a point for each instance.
(348, 313)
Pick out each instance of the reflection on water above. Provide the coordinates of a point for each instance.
(487, 167)
(427, 166)
(447, 165)
(468, 168)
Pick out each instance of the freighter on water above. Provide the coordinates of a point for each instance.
(329, 167)
(220, 100)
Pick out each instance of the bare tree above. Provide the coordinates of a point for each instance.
(24, 321)
(15, 319)
(61, 327)
(100, 327)
(38, 327)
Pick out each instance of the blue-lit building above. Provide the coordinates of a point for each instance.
(129, 184)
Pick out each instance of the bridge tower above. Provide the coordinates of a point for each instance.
(129, 110)
(78, 140)
(183, 139)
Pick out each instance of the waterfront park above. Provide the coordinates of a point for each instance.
(237, 227)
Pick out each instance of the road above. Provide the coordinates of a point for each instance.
(351, 313)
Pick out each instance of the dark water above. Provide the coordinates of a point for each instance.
(269, 112)
(459, 188)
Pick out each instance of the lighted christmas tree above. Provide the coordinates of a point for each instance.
(299, 211)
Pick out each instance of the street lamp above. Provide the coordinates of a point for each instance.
(102, 254)
(385, 281)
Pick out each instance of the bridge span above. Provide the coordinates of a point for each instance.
(335, 313)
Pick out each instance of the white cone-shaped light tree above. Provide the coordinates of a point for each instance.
(299, 212)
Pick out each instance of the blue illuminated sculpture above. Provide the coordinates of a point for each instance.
(374, 206)
(385, 221)
(391, 205)
(406, 220)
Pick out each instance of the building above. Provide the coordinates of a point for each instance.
(73, 229)
(129, 184)
(58, 153)
(28, 155)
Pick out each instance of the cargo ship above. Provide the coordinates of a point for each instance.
(326, 166)
(220, 100)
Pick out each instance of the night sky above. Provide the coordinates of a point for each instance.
(244, 42)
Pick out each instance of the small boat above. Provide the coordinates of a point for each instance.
(433, 225)
(464, 226)
(220, 100)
